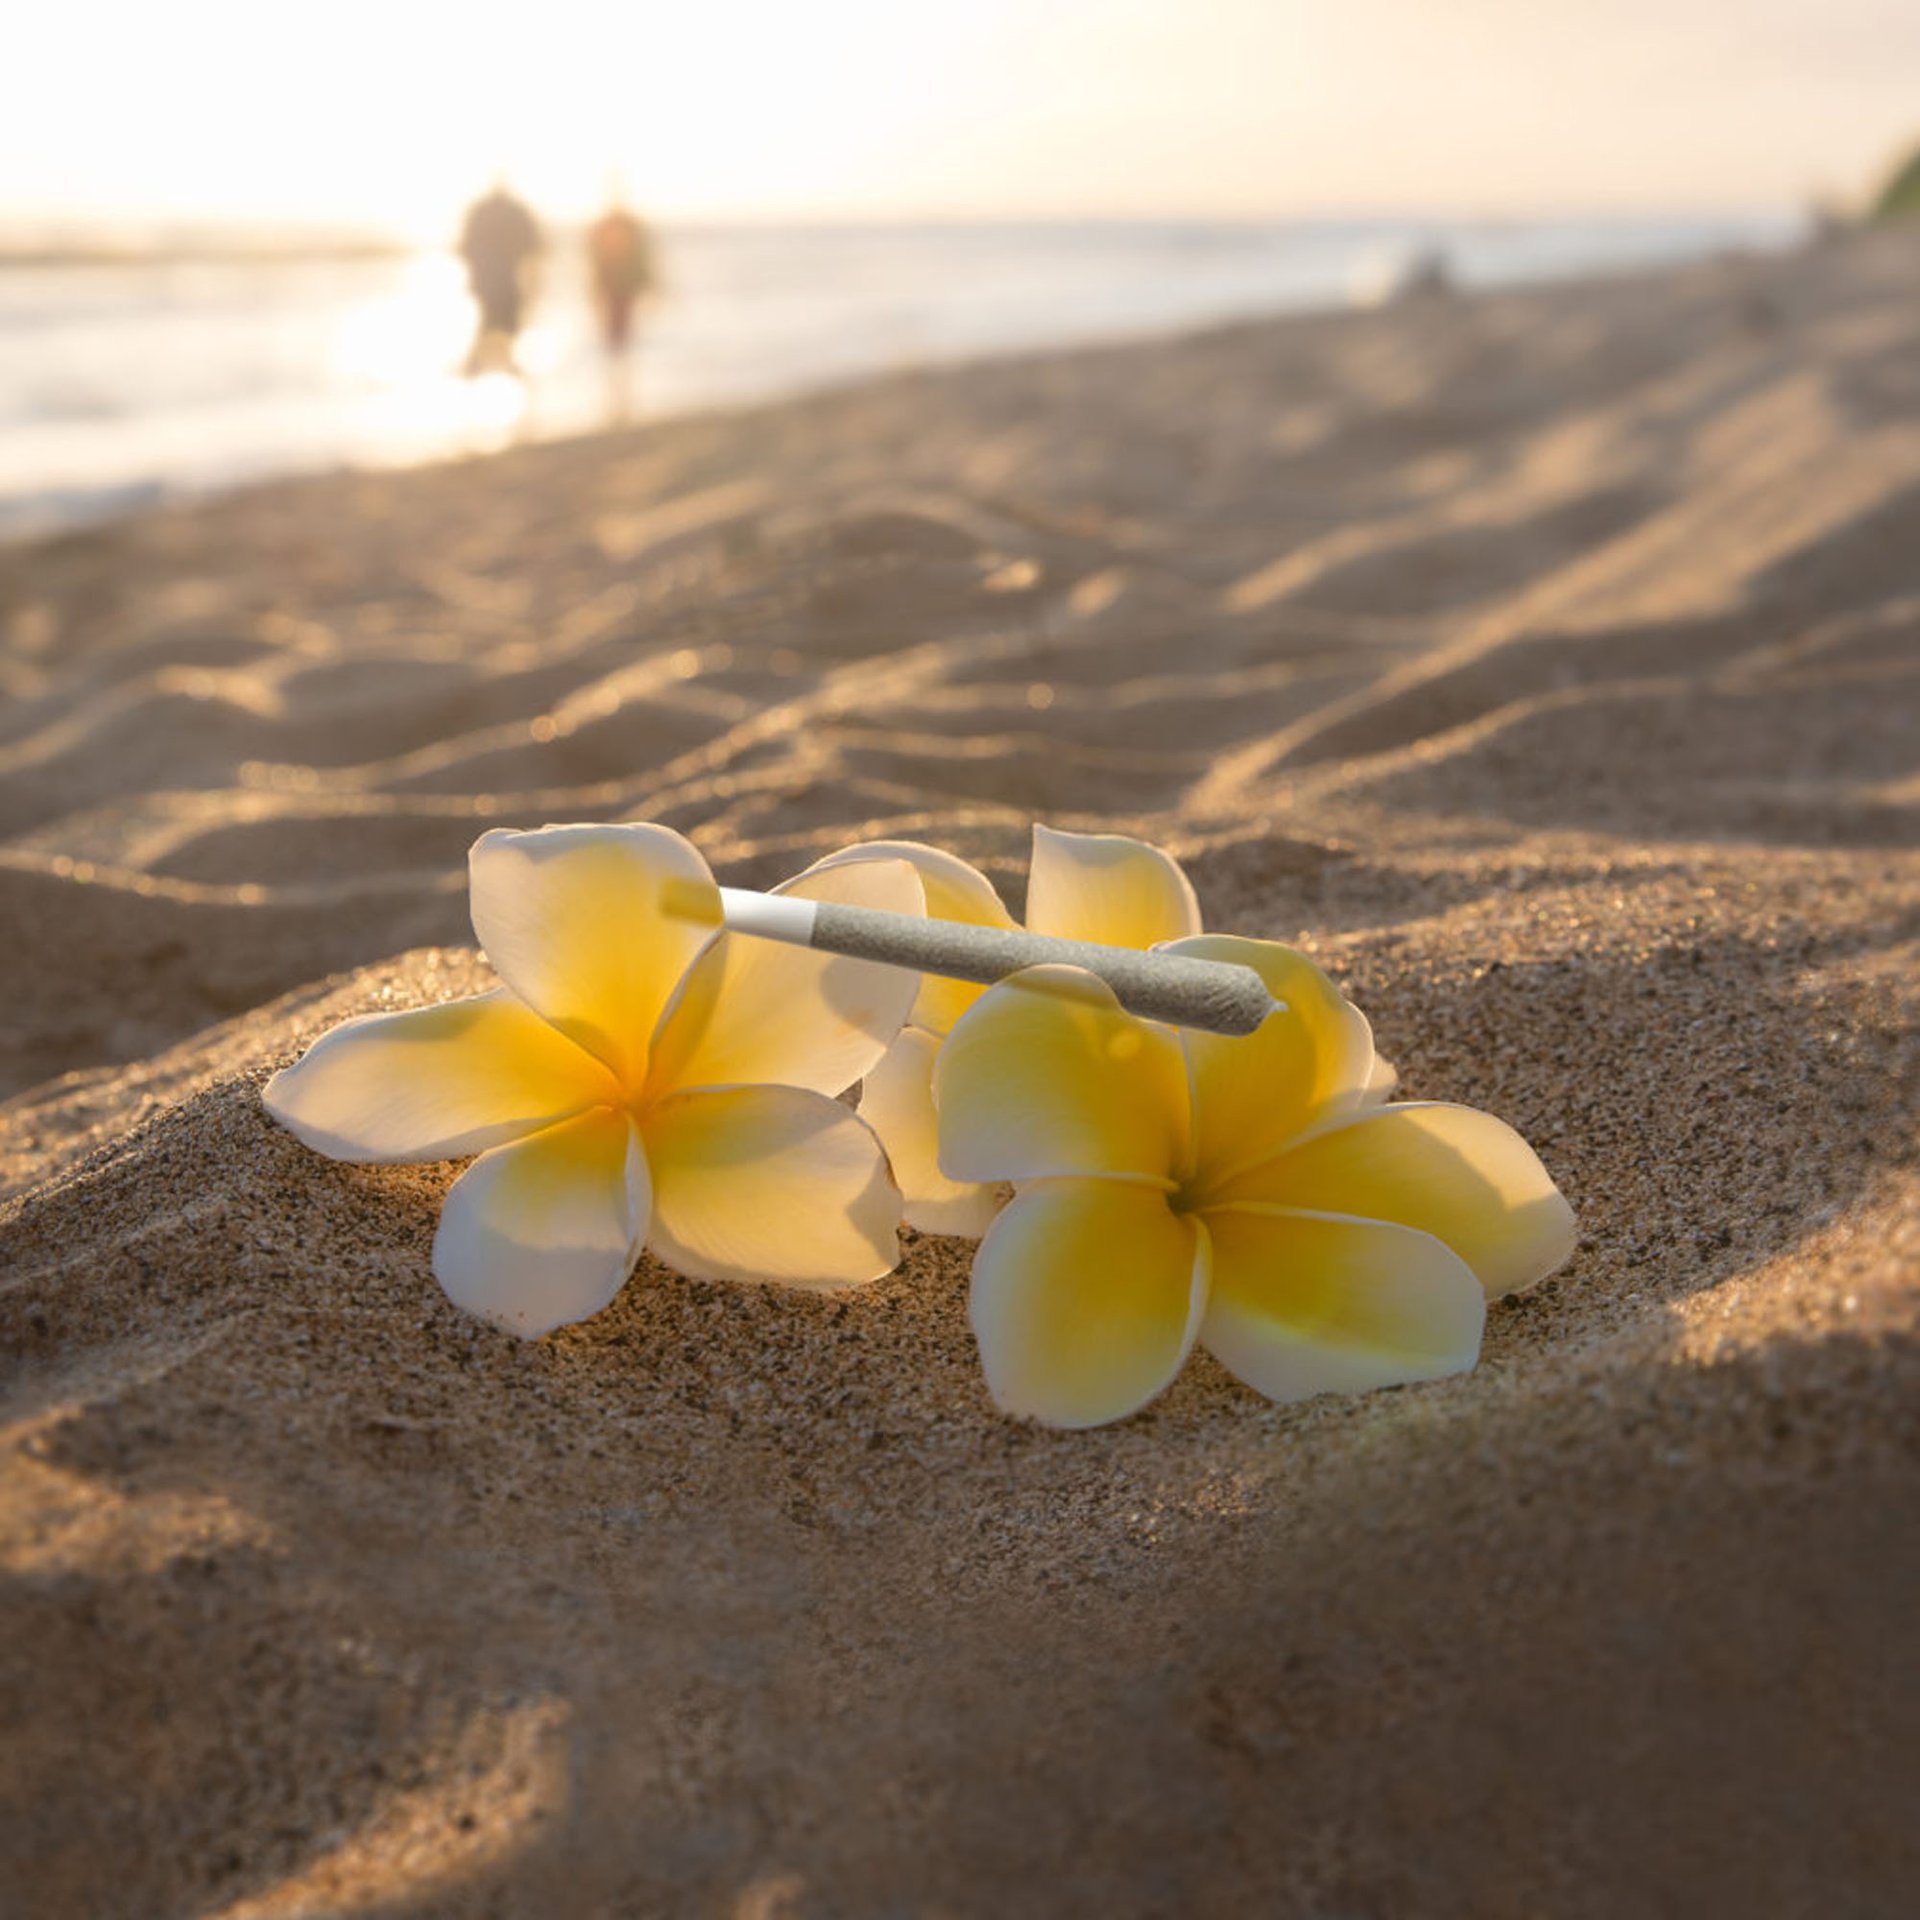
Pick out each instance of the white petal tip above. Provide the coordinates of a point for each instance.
(966, 1218)
(1550, 1234)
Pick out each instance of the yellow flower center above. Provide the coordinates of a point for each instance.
(1190, 1194)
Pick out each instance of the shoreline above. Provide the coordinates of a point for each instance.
(1360, 274)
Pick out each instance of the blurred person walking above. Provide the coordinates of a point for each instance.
(620, 270)
(500, 241)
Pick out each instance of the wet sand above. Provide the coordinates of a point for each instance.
(1544, 664)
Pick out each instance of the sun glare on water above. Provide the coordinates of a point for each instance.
(415, 330)
(402, 348)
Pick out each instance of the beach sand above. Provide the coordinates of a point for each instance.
(1544, 664)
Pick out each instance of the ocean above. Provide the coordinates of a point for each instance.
(124, 383)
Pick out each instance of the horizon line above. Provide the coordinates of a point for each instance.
(25, 230)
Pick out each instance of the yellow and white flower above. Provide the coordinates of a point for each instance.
(1102, 887)
(640, 1079)
(1250, 1195)
(1080, 886)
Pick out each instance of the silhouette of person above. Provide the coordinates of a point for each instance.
(620, 269)
(500, 241)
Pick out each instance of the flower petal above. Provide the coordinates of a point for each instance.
(896, 1100)
(435, 1083)
(758, 1012)
(1306, 1303)
(593, 927)
(1458, 1174)
(1312, 1060)
(1087, 1297)
(545, 1231)
(770, 1183)
(1107, 888)
(1048, 1076)
(954, 891)
(1382, 1079)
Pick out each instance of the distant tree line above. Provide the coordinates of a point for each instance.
(1900, 197)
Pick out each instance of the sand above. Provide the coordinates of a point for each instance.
(1544, 664)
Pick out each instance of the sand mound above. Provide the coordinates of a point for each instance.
(1542, 664)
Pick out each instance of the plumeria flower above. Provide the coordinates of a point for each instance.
(1249, 1195)
(640, 1079)
(1102, 887)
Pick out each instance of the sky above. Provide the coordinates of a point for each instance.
(389, 113)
